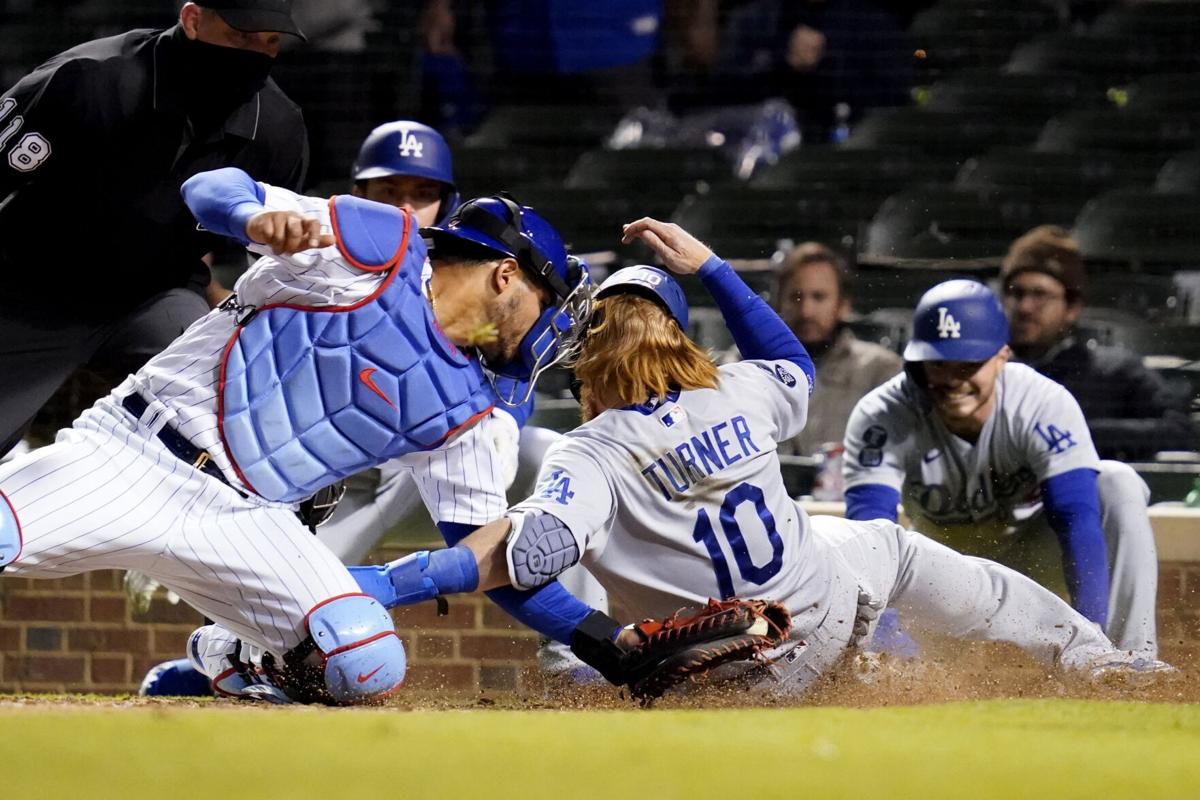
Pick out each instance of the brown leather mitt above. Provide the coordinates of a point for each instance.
(689, 643)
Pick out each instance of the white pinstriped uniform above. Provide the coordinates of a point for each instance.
(108, 494)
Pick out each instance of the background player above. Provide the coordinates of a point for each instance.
(995, 460)
(671, 493)
(217, 437)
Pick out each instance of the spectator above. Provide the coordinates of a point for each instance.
(118, 124)
(813, 298)
(1129, 410)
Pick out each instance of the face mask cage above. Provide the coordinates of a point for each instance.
(554, 339)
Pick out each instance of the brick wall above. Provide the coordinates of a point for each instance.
(79, 635)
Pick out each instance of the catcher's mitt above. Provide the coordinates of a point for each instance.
(683, 647)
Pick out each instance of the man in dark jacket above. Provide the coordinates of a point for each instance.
(1130, 411)
(110, 130)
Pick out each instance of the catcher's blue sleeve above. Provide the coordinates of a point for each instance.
(757, 330)
(223, 200)
(550, 610)
(872, 501)
(1073, 510)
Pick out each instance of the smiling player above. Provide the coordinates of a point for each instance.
(995, 460)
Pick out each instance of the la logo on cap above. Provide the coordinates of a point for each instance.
(948, 327)
(410, 145)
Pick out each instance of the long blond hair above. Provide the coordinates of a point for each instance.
(633, 350)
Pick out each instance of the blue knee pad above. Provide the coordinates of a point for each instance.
(10, 533)
(364, 658)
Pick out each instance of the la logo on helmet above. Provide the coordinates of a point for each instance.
(410, 145)
(948, 327)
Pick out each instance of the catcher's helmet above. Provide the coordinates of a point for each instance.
(958, 320)
(413, 149)
(502, 226)
(650, 282)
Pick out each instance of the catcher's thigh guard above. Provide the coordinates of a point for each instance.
(362, 657)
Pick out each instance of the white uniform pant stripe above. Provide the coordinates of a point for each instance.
(109, 495)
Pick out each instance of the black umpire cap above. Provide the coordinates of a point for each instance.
(253, 16)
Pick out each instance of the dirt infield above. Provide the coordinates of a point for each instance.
(972, 672)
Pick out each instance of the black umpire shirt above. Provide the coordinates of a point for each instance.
(94, 145)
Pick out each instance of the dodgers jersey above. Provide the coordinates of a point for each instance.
(681, 499)
(1036, 431)
(459, 481)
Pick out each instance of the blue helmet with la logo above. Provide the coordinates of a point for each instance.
(501, 225)
(410, 149)
(652, 283)
(958, 320)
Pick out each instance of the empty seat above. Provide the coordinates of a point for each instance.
(1166, 93)
(1153, 298)
(955, 35)
(1032, 97)
(950, 136)
(1181, 174)
(1154, 231)
(676, 169)
(566, 125)
(858, 171)
(1160, 24)
(1113, 129)
(748, 223)
(1107, 60)
(590, 221)
(486, 170)
(1060, 182)
(946, 223)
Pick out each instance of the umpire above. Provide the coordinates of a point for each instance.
(102, 263)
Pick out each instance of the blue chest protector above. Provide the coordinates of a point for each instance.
(310, 395)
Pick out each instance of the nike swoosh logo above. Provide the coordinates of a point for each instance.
(365, 377)
(364, 678)
(927, 457)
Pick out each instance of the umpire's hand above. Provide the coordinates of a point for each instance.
(287, 232)
(678, 250)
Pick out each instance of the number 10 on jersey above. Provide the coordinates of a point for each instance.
(749, 571)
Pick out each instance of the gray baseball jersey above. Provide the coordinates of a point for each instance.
(1037, 431)
(677, 501)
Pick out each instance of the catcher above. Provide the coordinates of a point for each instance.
(670, 493)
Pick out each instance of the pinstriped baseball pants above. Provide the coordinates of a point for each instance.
(109, 495)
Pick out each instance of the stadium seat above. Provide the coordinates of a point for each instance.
(488, 169)
(590, 221)
(1157, 24)
(957, 34)
(1124, 131)
(1154, 298)
(748, 223)
(1180, 175)
(891, 326)
(1174, 92)
(1060, 182)
(948, 135)
(675, 170)
(1149, 230)
(877, 173)
(946, 223)
(1107, 60)
(1029, 97)
(575, 126)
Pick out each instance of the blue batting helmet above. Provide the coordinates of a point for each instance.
(504, 227)
(652, 283)
(958, 320)
(412, 149)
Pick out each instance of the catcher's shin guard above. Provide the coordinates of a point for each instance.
(10, 533)
(361, 657)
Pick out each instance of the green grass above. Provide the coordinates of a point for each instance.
(1058, 749)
